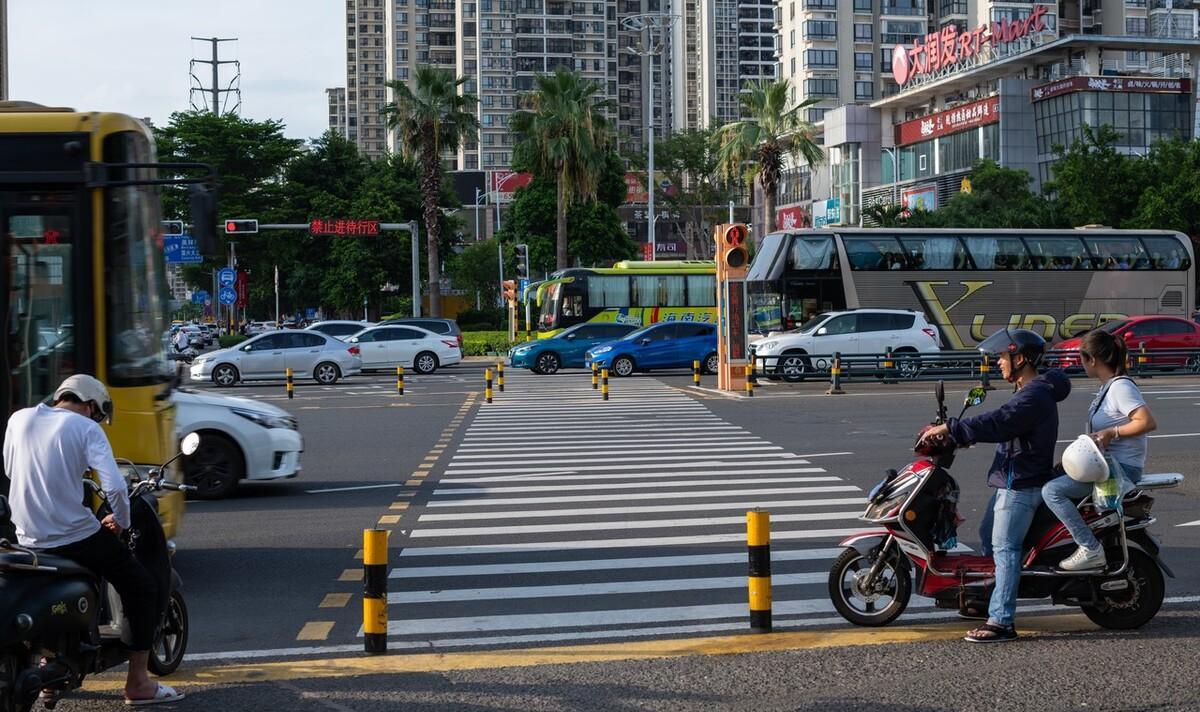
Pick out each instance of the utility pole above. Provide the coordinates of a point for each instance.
(212, 102)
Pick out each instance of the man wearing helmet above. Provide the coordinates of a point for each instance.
(47, 450)
(1025, 430)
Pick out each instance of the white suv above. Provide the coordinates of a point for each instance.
(792, 355)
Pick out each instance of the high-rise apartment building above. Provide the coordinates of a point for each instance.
(367, 68)
(337, 109)
(419, 33)
(737, 45)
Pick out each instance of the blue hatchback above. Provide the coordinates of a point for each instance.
(671, 344)
(566, 349)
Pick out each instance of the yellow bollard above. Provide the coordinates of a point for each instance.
(696, 374)
(290, 385)
(487, 391)
(985, 374)
(500, 375)
(399, 380)
(835, 376)
(750, 380)
(604, 383)
(375, 613)
(595, 378)
(758, 547)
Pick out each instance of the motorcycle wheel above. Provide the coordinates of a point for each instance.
(879, 606)
(170, 641)
(1137, 604)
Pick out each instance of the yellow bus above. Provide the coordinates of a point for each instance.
(84, 284)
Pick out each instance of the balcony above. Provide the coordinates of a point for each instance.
(902, 9)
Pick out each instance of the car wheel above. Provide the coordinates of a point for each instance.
(1193, 364)
(547, 363)
(326, 373)
(793, 367)
(907, 363)
(622, 366)
(425, 362)
(711, 363)
(215, 468)
(225, 375)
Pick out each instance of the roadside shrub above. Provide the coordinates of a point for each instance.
(491, 316)
(483, 343)
(230, 340)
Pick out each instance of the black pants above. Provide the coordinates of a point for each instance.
(107, 556)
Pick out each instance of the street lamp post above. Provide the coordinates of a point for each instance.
(891, 152)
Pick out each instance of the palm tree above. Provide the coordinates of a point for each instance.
(886, 214)
(563, 132)
(432, 118)
(756, 146)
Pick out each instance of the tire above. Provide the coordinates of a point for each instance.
(908, 363)
(857, 607)
(793, 366)
(622, 366)
(425, 362)
(225, 375)
(1192, 365)
(710, 364)
(171, 639)
(215, 468)
(326, 373)
(547, 363)
(1134, 607)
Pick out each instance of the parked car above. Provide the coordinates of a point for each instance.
(195, 335)
(794, 354)
(210, 333)
(386, 347)
(309, 354)
(565, 350)
(445, 327)
(670, 344)
(255, 328)
(242, 439)
(1156, 332)
(339, 329)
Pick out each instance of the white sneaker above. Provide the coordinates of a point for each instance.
(1084, 560)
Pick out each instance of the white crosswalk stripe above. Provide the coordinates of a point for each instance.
(563, 516)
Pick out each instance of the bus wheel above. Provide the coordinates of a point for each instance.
(793, 367)
(622, 366)
(547, 363)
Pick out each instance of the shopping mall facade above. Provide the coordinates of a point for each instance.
(1010, 93)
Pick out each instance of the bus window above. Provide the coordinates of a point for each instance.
(935, 252)
(1166, 253)
(654, 290)
(874, 253)
(701, 290)
(812, 253)
(997, 252)
(1119, 253)
(606, 291)
(1057, 253)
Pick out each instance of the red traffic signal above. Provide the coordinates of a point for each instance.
(241, 226)
(735, 235)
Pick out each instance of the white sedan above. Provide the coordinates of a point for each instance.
(386, 347)
(241, 439)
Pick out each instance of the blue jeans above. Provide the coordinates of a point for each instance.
(1058, 494)
(1009, 514)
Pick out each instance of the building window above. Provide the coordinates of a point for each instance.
(864, 90)
(816, 115)
(864, 5)
(863, 62)
(1135, 26)
(820, 29)
(863, 32)
(821, 58)
(952, 7)
(821, 87)
(885, 59)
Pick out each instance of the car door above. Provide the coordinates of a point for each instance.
(304, 350)
(265, 357)
(1143, 332)
(875, 333)
(659, 348)
(838, 335)
(405, 343)
(373, 349)
(572, 346)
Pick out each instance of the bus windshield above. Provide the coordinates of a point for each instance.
(548, 316)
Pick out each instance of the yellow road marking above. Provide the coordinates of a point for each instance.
(315, 630)
(601, 652)
(390, 519)
(334, 600)
(351, 575)
(431, 458)
(398, 505)
(425, 466)
(358, 554)
(412, 483)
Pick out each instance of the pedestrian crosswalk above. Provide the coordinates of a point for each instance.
(561, 517)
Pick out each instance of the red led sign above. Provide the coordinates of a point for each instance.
(344, 227)
(948, 47)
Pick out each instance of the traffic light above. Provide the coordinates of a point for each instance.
(241, 227)
(522, 252)
(172, 228)
(732, 249)
(509, 290)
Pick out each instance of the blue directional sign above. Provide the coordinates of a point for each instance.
(181, 249)
(227, 295)
(226, 276)
(200, 296)
(521, 287)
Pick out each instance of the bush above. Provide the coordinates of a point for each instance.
(482, 326)
(230, 340)
(483, 343)
(492, 316)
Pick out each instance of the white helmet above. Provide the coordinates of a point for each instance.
(1084, 462)
(88, 390)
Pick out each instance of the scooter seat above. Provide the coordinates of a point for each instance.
(62, 566)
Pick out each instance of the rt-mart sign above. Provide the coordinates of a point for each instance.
(948, 47)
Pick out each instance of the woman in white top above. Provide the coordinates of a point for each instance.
(1119, 420)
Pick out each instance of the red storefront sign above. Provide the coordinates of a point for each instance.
(507, 182)
(343, 227)
(960, 118)
(792, 218)
(947, 47)
(242, 286)
(1141, 85)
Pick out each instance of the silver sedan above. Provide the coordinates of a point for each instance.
(309, 354)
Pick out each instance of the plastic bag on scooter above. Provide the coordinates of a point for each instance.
(1110, 493)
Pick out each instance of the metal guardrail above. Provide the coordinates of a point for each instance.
(965, 365)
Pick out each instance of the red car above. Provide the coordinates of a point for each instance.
(1156, 332)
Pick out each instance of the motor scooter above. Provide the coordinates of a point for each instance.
(914, 547)
(62, 622)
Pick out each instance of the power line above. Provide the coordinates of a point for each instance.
(208, 98)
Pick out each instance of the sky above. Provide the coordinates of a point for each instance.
(132, 56)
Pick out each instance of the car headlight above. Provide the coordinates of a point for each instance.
(521, 350)
(765, 345)
(601, 350)
(267, 420)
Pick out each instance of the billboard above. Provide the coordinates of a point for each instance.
(827, 212)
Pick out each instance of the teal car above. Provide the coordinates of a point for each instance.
(566, 349)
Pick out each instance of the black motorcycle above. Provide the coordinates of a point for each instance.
(59, 622)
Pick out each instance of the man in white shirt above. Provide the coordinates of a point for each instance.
(181, 340)
(47, 450)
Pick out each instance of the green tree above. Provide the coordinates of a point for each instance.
(755, 147)
(699, 193)
(476, 269)
(432, 117)
(1092, 179)
(564, 133)
(999, 198)
(885, 214)
(1169, 195)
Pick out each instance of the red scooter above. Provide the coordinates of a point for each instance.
(914, 542)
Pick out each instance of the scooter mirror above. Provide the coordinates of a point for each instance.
(191, 442)
(975, 396)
